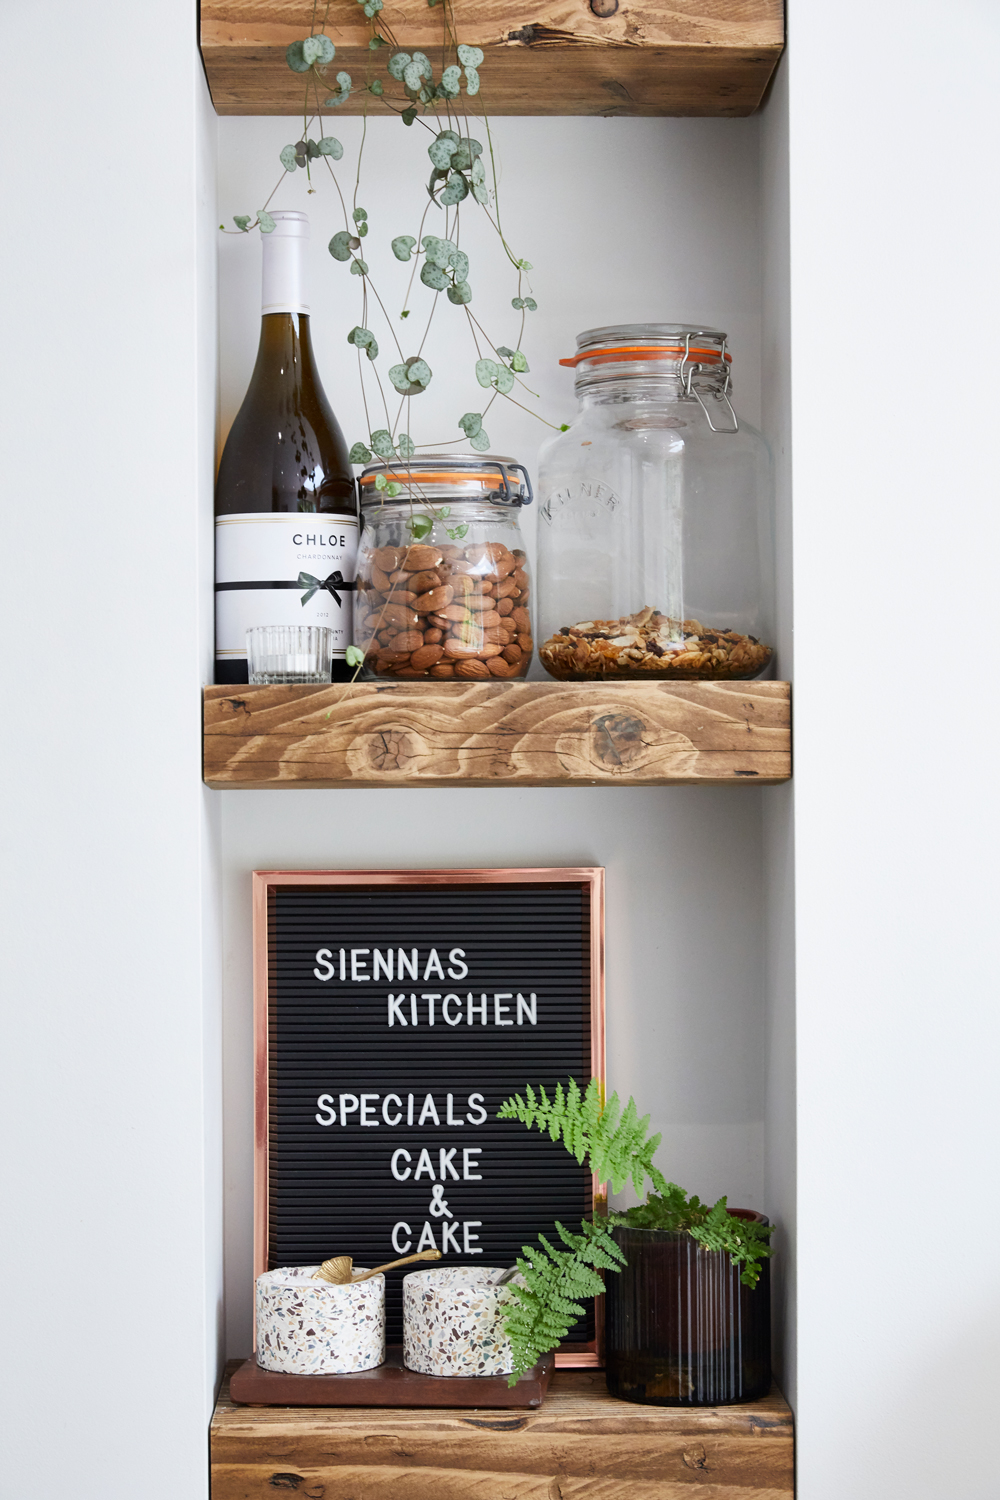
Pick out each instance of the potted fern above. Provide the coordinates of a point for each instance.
(688, 1291)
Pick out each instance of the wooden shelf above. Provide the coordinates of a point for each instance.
(554, 57)
(582, 1443)
(376, 734)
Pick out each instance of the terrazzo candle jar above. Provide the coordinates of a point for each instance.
(453, 1322)
(309, 1327)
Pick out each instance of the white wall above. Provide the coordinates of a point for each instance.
(654, 220)
(112, 1129)
(895, 390)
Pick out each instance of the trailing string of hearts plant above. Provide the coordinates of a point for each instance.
(438, 103)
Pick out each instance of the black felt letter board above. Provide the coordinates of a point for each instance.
(397, 1018)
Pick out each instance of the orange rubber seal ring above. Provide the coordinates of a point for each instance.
(648, 351)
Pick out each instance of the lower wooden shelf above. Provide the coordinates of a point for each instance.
(376, 734)
(582, 1445)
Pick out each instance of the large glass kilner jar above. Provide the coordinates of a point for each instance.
(655, 525)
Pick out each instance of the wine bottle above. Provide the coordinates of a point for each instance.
(286, 527)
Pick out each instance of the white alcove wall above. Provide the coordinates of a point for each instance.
(623, 220)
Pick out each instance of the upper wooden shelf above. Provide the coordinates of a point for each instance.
(554, 57)
(376, 734)
(582, 1445)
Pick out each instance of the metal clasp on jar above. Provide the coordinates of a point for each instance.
(690, 368)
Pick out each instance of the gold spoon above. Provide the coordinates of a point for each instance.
(339, 1273)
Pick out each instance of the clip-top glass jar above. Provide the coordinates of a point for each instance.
(443, 583)
(655, 547)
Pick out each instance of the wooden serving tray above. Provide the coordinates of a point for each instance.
(391, 1384)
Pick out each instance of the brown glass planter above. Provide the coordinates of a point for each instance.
(680, 1327)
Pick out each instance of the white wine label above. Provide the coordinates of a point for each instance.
(283, 570)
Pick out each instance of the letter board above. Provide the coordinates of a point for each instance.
(394, 1012)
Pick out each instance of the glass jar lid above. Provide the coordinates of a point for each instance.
(444, 476)
(670, 347)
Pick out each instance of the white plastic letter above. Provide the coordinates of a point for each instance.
(385, 1109)
(397, 1156)
(347, 1108)
(357, 976)
(467, 1165)
(411, 964)
(467, 1237)
(433, 966)
(476, 1103)
(427, 1240)
(429, 1111)
(367, 1114)
(499, 1011)
(445, 1009)
(381, 964)
(481, 1008)
(424, 1164)
(323, 956)
(530, 1012)
(401, 1249)
(455, 958)
(445, 1159)
(395, 1014)
(325, 1101)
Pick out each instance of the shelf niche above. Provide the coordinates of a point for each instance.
(556, 57)
(377, 734)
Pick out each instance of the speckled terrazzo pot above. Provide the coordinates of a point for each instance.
(307, 1327)
(452, 1322)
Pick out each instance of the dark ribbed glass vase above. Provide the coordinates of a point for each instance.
(680, 1328)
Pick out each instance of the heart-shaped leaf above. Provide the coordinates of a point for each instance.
(424, 64)
(402, 246)
(470, 57)
(399, 377)
(518, 362)
(458, 262)
(344, 80)
(438, 251)
(441, 152)
(460, 293)
(397, 65)
(487, 371)
(375, 87)
(287, 158)
(354, 656)
(340, 246)
(531, 304)
(359, 454)
(433, 276)
(451, 78)
(481, 441)
(471, 81)
(471, 423)
(326, 52)
(359, 268)
(419, 372)
(504, 381)
(504, 352)
(405, 446)
(412, 75)
(419, 527)
(408, 116)
(382, 443)
(330, 146)
(242, 221)
(480, 194)
(455, 189)
(265, 221)
(296, 59)
(478, 172)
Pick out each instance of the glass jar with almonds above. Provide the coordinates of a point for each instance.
(443, 587)
(655, 515)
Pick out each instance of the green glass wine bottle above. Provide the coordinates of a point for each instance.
(285, 500)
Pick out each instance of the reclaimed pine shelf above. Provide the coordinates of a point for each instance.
(582, 1445)
(546, 57)
(378, 734)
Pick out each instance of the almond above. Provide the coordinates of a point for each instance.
(522, 620)
(505, 606)
(505, 587)
(408, 640)
(387, 658)
(463, 584)
(491, 557)
(499, 667)
(490, 619)
(380, 579)
(443, 669)
(525, 642)
(432, 637)
(420, 557)
(387, 558)
(474, 669)
(480, 602)
(428, 579)
(455, 613)
(520, 578)
(512, 654)
(399, 614)
(426, 656)
(400, 576)
(454, 647)
(435, 600)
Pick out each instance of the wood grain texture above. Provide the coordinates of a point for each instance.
(555, 57)
(370, 734)
(582, 1445)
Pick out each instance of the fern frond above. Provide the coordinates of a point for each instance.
(559, 1282)
(615, 1143)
